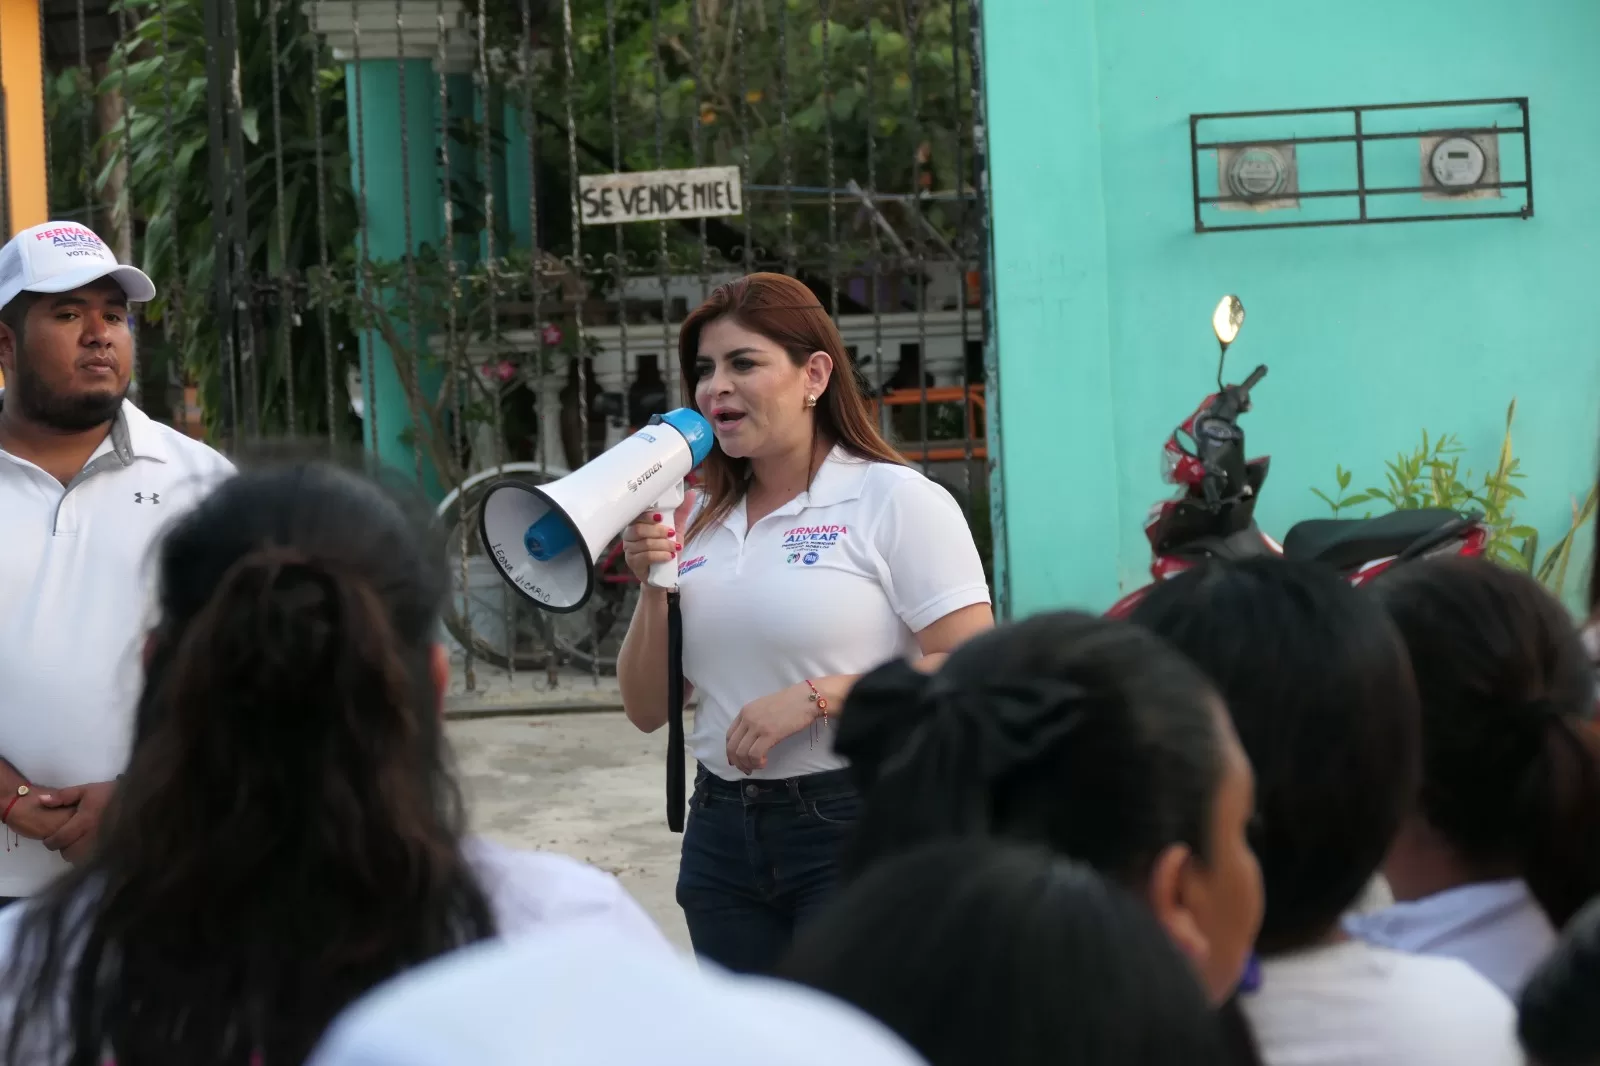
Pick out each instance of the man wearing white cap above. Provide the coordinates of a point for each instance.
(87, 482)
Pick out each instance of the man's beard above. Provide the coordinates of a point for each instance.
(39, 404)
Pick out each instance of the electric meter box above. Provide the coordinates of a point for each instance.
(1457, 166)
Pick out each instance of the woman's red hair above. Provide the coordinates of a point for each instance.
(789, 314)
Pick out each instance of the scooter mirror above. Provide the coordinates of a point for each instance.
(1227, 319)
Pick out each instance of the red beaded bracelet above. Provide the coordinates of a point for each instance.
(819, 699)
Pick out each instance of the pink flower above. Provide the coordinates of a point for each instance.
(551, 334)
(502, 371)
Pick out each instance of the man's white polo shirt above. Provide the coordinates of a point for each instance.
(76, 572)
(837, 581)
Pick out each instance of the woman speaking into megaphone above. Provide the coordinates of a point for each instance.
(811, 554)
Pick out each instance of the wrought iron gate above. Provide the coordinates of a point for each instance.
(309, 181)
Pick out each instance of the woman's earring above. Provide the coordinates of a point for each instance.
(811, 401)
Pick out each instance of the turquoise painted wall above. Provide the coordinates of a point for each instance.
(387, 173)
(519, 178)
(1103, 290)
(386, 197)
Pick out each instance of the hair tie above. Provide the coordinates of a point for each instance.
(294, 600)
(274, 555)
(1250, 980)
(276, 563)
(887, 708)
(1019, 722)
(897, 713)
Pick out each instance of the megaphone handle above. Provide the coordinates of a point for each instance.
(665, 575)
(676, 771)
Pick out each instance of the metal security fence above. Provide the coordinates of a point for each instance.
(464, 234)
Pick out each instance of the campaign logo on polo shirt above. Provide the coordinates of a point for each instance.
(691, 564)
(806, 544)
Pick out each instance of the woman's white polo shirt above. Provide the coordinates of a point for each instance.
(836, 581)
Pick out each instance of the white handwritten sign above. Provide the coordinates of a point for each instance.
(652, 195)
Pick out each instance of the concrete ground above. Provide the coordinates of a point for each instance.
(587, 785)
(528, 692)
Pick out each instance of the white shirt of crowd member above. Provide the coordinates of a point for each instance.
(87, 482)
(531, 893)
(553, 999)
(809, 580)
(1496, 927)
(1356, 1004)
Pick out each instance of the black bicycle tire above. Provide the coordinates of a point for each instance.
(577, 652)
(455, 625)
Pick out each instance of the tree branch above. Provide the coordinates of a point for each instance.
(430, 434)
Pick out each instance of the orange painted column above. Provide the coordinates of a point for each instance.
(22, 75)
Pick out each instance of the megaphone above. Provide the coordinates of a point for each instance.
(545, 539)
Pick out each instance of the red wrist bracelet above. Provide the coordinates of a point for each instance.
(819, 699)
(22, 790)
(822, 709)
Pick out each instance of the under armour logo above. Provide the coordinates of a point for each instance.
(147, 497)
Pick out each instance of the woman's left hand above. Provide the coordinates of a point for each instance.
(764, 722)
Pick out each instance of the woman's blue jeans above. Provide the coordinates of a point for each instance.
(760, 858)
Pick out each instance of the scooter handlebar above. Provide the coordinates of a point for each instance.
(1236, 398)
(1219, 431)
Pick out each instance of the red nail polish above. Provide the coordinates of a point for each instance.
(655, 518)
(672, 532)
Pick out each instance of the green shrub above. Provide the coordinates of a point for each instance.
(1431, 475)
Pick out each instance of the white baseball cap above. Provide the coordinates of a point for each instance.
(60, 257)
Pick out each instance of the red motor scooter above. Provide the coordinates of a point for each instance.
(1213, 515)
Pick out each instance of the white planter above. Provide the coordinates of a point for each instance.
(386, 30)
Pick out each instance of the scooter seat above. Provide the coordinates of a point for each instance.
(1345, 542)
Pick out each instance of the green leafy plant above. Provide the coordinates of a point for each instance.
(159, 68)
(773, 86)
(162, 139)
(870, 91)
(1552, 571)
(1431, 475)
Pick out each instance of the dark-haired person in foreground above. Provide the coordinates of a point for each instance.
(1504, 846)
(1559, 1009)
(981, 953)
(1082, 735)
(288, 833)
(87, 482)
(1318, 685)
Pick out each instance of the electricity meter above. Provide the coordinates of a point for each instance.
(1258, 173)
(1458, 163)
